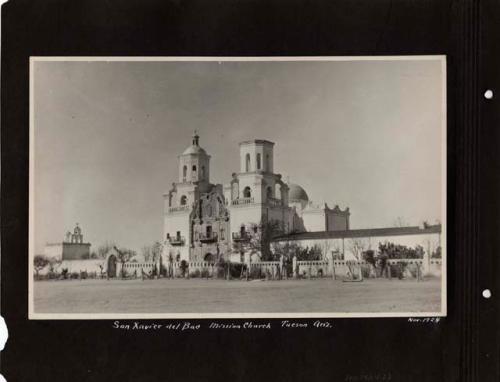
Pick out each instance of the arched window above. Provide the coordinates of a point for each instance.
(247, 163)
(258, 162)
(269, 192)
(183, 200)
(247, 193)
(184, 172)
(194, 167)
(278, 191)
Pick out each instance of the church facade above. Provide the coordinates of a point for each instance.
(203, 220)
(71, 248)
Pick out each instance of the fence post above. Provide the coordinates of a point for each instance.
(427, 260)
(331, 265)
(295, 270)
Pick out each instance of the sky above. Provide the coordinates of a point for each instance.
(361, 134)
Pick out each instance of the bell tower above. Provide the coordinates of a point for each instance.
(256, 156)
(194, 163)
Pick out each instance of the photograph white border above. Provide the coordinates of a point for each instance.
(98, 316)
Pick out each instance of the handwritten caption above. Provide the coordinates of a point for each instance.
(219, 325)
(424, 320)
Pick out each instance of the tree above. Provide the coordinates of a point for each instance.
(400, 222)
(103, 249)
(309, 254)
(54, 264)
(398, 251)
(156, 250)
(287, 250)
(146, 252)
(369, 257)
(261, 236)
(337, 250)
(151, 253)
(357, 246)
(40, 262)
(124, 255)
(437, 253)
(325, 248)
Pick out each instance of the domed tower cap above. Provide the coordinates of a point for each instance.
(296, 192)
(257, 142)
(195, 148)
(196, 139)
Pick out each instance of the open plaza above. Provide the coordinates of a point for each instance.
(166, 296)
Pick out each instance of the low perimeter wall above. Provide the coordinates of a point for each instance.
(270, 269)
(345, 268)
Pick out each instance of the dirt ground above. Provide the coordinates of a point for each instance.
(221, 296)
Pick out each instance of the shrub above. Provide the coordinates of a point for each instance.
(255, 273)
(396, 271)
(178, 273)
(163, 270)
(365, 271)
(204, 273)
(220, 273)
(74, 275)
(195, 273)
(235, 270)
(64, 273)
(184, 267)
(369, 257)
(52, 276)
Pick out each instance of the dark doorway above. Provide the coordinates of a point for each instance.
(209, 258)
(112, 266)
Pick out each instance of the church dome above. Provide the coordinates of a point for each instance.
(194, 149)
(296, 192)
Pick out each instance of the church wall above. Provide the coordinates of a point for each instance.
(336, 222)
(314, 220)
(53, 251)
(428, 241)
(178, 222)
(201, 163)
(281, 214)
(73, 251)
(227, 192)
(187, 190)
(244, 150)
(243, 215)
(200, 250)
(255, 185)
(93, 265)
(67, 251)
(253, 149)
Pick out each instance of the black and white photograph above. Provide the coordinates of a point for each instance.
(237, 187)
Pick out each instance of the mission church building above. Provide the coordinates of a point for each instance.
(71, 248)
(202, 219)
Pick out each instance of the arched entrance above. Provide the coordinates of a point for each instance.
(209, 258)
(112, 266)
